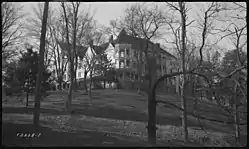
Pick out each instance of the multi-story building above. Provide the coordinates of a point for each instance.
(127, 53)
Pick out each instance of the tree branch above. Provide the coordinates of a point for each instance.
(195, 115)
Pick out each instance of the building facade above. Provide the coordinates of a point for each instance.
(128, 53)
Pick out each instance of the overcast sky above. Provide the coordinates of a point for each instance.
(106, 11)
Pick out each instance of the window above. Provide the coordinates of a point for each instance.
(128, 63)
(80, 65)
(127, 52)
(79, 74)
(121, 54)
(121, 64)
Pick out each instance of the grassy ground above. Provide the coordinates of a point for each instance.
(77, 138)
(121, 105)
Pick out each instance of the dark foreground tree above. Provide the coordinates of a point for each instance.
(41, 66)
(21, 74)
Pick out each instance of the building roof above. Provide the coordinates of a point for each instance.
(101, 48)
(123, 38)
(80, 50)
(167, 53)
(136, 43)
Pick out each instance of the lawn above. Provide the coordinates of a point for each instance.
(109, 106)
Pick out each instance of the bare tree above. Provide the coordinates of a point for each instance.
(185, 47)
(71, 17)
(60, 58)
(41, 65)
(91, 58)
(180, 42)
(114, 28)
(12, 26)
(239, 42)
(143, 21)
(235, 31)
(33, 26)
(85, 25)
(54, 37)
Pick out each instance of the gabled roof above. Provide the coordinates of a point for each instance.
(136, 43)
(80, 50)
(123, 38)
(167, 53)
(100, 49)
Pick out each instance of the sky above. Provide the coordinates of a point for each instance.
(106, 11)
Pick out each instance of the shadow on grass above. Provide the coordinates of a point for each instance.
(48, 137)
(104, 112)
(113, 113)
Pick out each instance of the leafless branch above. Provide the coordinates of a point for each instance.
(197, 116)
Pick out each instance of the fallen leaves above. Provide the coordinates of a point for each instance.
(112, 127)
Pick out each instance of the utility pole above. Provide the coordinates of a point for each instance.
(41, 66)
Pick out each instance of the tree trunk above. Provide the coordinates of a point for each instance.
(139, 72)
(183, 99)
(152, 104)
(193, 93)
(60, 82)
(41, 65)
(75, 75)
(152, 118)
(90, 86)
(70, 91)
(3, 93)
(104, 79)
(184, 114)
(236, 115)
(27, 99)
(75, 81)
(85, 83)
(139, 84)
